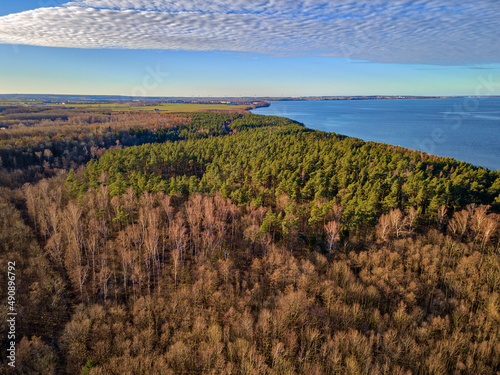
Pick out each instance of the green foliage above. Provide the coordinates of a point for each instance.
(281, 157)
(88, 366)
(270, 223)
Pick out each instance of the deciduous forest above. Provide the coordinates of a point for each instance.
(232, 243)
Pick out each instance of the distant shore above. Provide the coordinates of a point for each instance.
(375, 97)
(251, 101)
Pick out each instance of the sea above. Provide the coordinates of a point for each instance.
(466, 129)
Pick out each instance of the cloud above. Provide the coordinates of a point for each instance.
(439, 32)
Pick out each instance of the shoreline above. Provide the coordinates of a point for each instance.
(436, 153)
(376, 97)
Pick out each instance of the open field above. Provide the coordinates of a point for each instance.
(190, 107)
(17, 102)
(163, 107)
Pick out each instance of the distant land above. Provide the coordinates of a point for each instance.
(373, 97)
(179, 104)
(41, 99)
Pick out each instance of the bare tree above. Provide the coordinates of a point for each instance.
(194, 216)
(332, 230)
(92, 245)
(384, 227)
(441, 217)
(178, 243)
(478, 222)
(151, 242)
(167, 209)
(337, 212)
(398, 222)
(459, 222)
(32, 204)
(488, 230)
(76, 263)
(412, 219)
(54, 244)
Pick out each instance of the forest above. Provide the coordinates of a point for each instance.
(233, 243)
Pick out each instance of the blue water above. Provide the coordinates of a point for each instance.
(465, 129)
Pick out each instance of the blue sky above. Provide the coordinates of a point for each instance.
(250, 47)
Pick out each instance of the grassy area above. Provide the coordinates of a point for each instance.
(13, 102)
(114, 106)
(189, 107)
(164, 107)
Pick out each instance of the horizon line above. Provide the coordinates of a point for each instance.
(139, 98)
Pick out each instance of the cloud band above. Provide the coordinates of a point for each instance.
(422, 32)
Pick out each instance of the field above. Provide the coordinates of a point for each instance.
(145, 105)
(162, 107)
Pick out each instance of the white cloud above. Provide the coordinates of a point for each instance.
(426, 31)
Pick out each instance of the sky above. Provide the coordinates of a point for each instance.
(250, 47)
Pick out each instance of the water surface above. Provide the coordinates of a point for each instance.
(465, 129)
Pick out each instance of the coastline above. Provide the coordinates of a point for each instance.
(445, 136)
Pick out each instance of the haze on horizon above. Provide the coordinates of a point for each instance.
(250, 47)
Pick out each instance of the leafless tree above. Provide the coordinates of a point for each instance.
(332, 230)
